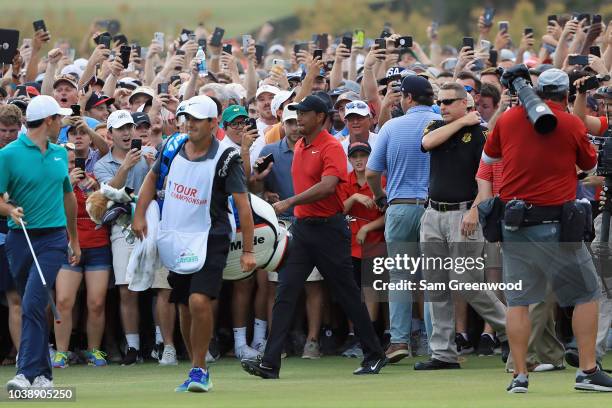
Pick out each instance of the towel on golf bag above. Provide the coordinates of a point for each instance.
(144, 260)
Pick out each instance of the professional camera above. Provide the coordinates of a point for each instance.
(517, 80)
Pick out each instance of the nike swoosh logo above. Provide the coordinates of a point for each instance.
(314, 151)
(374, 366)
(57, 158)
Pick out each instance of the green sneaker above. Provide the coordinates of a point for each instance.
(60, 360)
(96, 358)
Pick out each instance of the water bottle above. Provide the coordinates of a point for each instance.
(201, 60)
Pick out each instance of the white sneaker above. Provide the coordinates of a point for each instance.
(19, 382)
(209, 358)
(246, 352)
(260, 347)
(168, 357)
(42, 382)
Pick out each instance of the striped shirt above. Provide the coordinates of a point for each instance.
(398, 152)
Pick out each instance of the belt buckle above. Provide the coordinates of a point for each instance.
(442, 207)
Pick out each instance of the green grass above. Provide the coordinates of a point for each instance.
(62, 16)
(321, 383)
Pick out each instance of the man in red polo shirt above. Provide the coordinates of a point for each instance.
(539, 177)
(321, 238)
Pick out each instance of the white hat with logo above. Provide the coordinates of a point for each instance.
(119, 118)
(200, 107)
(43, 106)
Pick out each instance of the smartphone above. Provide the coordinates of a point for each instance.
(259, 51)
(80, 163)
(277, 61)
(124, 53)
(121, 39)
(359, 38)
(348, 42)
(251, 124)
(246, 40)
(595, 50)
(329, 65)
(217, 36)
(404, 42)
(180, 52)
(578, 60)
(493, 57)
(260, 167)
(191, 36)
(528, 31)
(503, 26)
(39, 25)
(105, 39)
(485, 45)
(136, 144)
(434, 28)
(585, 16)
(318, 53)
(488, 15)
(175, 78)
(552, 17)
(76, 110)
(323, 42)
(468, 42)
(381, 42)
(227, 48)
(162, 88)
(138, 50)
(596, 18)
(159, 38)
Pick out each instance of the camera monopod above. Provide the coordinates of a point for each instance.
(56, 315)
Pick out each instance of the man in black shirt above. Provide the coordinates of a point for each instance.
(449, 227)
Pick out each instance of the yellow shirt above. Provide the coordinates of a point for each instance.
(274, 134)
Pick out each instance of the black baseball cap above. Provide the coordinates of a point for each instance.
(416, 86)
(140, 118)
(359, 147)
(97, 99)
(310, 103)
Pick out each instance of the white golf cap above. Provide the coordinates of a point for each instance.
(119, 118)
(356, 107)
(43, 106)
(289, 114)
(267, 88)
(279, 99)
(72, 69)
(200, 107)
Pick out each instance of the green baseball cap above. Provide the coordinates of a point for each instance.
(232, 112)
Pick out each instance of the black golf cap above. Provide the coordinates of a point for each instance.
(416, 86)
(310, 103)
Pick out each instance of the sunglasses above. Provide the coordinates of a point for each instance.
(68, 146)
(447, 101)
(355, 105)
(468, 88)
(237, 124)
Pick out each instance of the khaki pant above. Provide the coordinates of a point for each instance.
(544, 347)
(441, 238)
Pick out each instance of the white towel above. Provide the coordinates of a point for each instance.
(144, 260)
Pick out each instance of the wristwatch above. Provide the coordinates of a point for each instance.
(381, 202)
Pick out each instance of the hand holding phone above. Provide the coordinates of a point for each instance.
(162, 88)
(263, 165)
(348, 42)
(136, 144)
(79, 162)
(217, 37)
(468, 42)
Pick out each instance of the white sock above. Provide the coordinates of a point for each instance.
(158, 335)
(239, 337)
(259, 331)
(465, 336)
(168, 347)
(133, 340)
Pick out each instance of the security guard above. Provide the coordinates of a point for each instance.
(539, 187)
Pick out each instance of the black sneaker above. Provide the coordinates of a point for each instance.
(371, 367)
(505, 351)
(131, 357)
(486, 345)
(259, 369)
(434, 364)
(518, 386)
(463, 346)
(598, 381)
(213, 348)
(157, 351)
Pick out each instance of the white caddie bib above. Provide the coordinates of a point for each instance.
(185, 221)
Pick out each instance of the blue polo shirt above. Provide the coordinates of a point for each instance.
(35, 181)
(279, 180)
(398, 153)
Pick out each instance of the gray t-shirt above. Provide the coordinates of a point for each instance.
(234, 182)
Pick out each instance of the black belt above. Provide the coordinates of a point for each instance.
(542, 215)
(39, 232)
(412, 201)
(319, 220)
(443, 207)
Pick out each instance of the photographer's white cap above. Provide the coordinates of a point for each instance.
(119, 118)
(200, 107)
(289, 114)
(553, 80)
(43, 106)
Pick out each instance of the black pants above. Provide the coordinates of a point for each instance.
(328, 247)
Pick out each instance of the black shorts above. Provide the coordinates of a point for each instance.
(207, 280)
